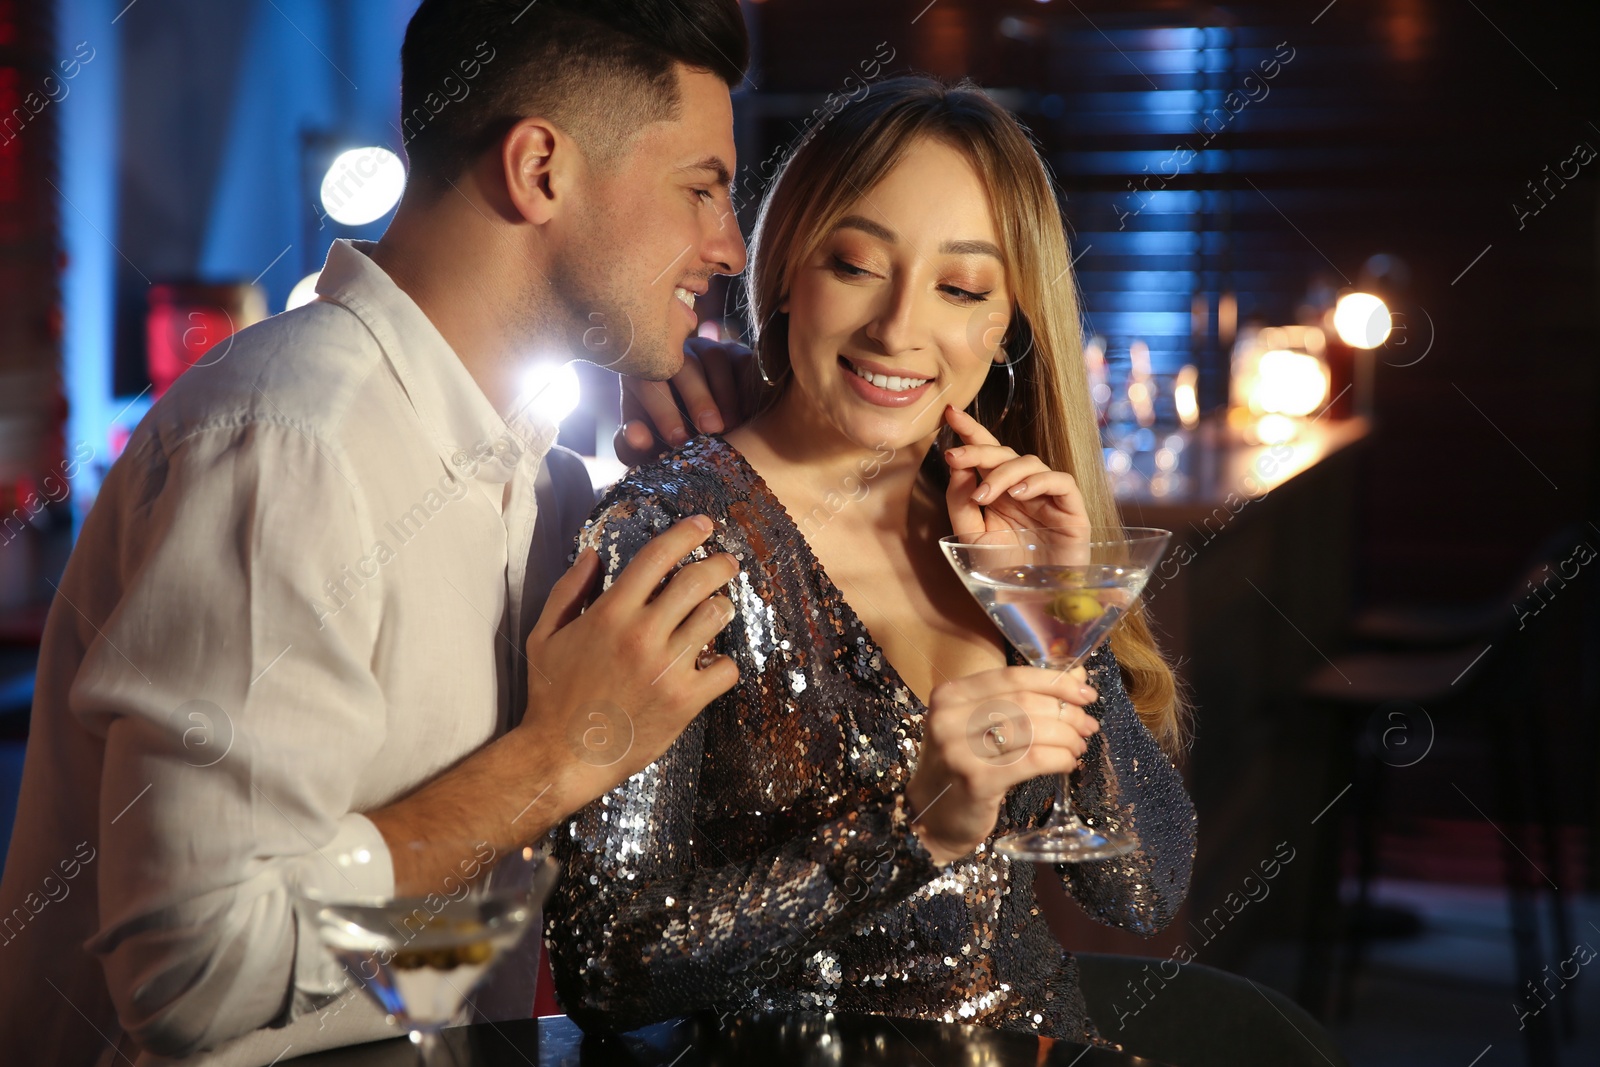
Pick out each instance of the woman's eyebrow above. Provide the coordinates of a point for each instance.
(948, 248)
(970, 248)
(867, 226)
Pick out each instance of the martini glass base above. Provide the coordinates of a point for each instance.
(1066, 844)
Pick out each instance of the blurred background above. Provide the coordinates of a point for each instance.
(1338, 268)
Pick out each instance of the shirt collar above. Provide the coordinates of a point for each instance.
(470, 434)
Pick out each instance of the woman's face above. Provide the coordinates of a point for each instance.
(903, 306)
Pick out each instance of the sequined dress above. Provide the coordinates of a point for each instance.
(765, 860)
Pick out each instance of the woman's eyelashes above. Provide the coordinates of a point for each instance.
(967, 295)
(845, 269)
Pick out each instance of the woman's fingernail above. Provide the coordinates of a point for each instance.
(1019, 488)
(1086, 693)
(710, 422)
(981, 495)
(677, 436)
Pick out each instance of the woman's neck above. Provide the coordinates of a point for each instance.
(809, 464)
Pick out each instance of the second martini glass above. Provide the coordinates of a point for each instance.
(420, 957)
(1056, 594)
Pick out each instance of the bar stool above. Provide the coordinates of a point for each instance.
(1457, 667)
(1416, 626)
(1201, 1016)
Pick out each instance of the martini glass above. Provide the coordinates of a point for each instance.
(1056, 594)
(420, 957)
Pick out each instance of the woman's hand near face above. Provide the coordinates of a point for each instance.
(994, 489)
(984, 734)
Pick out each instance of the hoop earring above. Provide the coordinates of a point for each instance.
(1022, 333)
(756, 351)
(1011, 389)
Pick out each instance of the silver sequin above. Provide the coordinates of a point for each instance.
(765, 860)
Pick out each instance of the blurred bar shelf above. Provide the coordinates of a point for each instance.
(1220, 469)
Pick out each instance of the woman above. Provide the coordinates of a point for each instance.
(821, 837)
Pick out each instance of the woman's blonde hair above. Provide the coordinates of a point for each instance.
(1051, 415)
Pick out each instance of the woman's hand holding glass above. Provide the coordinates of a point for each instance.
(984, 734)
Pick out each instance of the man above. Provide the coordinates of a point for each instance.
(290, 625)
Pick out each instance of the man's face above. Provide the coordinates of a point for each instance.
(654, 231)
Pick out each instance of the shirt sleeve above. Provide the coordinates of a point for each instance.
(1127, 783)
(651, 921)
(237, 709)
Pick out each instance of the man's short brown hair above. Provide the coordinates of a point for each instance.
(600, 69)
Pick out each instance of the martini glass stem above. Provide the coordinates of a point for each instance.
(1061, 815)
(432, 1049)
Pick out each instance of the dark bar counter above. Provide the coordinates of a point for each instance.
(797, 1039)
(1255, 592)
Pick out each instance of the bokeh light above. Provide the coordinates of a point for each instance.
(1361, 320)
(363, 185)
(551, 391)
(304, 291)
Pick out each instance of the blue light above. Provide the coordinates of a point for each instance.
(89, 136)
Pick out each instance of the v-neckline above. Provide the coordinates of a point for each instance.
(852, 620)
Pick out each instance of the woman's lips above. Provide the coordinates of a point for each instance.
(874, 394)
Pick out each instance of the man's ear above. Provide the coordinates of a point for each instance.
(532, 155)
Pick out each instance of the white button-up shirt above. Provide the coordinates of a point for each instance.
(299, 595)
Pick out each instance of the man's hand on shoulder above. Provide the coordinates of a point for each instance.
(713, 387)
(610, 687)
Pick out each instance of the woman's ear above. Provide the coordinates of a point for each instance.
(1018, 342)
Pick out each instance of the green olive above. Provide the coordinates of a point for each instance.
(1075, 607)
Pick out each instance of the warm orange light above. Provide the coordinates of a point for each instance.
(1361, 320)
(1289, 383)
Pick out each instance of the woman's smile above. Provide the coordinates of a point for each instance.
(884, 386)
